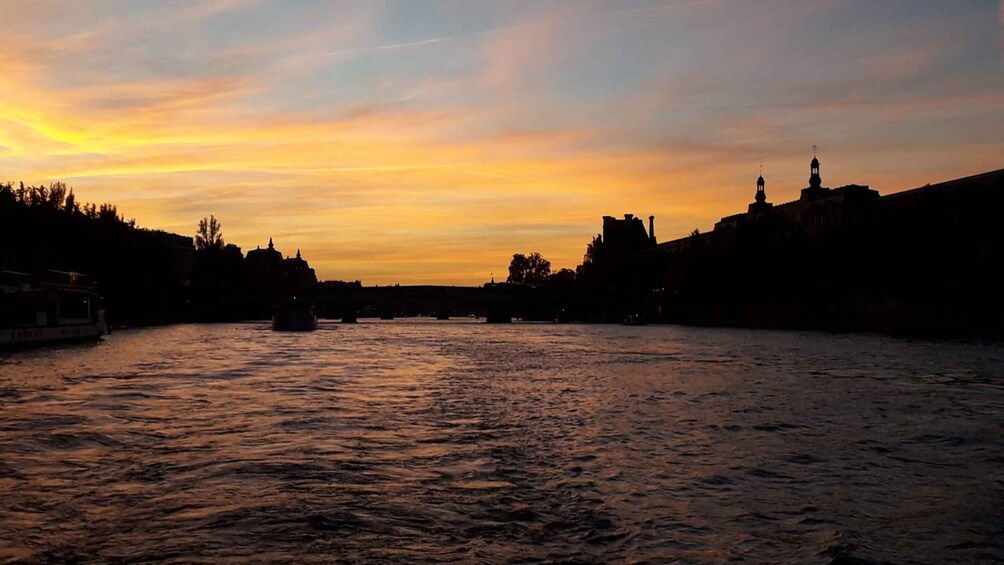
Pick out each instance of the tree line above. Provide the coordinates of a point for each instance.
(534, 269)
(141, 273)
(57, 197)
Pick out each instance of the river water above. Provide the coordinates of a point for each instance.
(425, 441)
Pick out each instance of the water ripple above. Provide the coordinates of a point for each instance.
(456, 442)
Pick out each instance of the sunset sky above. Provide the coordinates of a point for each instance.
(426, 142)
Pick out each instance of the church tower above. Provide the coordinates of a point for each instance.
(761, 194)
(814, 180)
(760, 207)
(815, 189)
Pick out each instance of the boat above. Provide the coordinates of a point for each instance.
(294, 315)
(54, 307)
(635, 320)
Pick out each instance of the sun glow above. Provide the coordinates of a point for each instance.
(420, 153)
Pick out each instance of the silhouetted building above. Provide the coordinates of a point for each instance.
(298, 272)
(627, 235)
(269, 256)
(845, 258)
(267, 268)
(818, 209)
(615, 262)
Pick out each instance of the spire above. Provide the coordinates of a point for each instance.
(270, 246)
(298, 254)
(814, 179)
(761, 194)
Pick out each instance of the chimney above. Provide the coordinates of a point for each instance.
(651, 228)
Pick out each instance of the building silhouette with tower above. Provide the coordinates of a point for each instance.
(817, 208)
(268, 268)
(835, 258)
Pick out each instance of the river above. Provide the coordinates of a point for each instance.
(423, 441)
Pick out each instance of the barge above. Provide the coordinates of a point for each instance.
(54, 307)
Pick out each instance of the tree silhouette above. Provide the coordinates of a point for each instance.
(71, 207)
(209, 235)
(593, 250)
(561, 281)
(109, 213)
(529, 269)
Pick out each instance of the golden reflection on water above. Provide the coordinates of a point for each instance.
(430, 441)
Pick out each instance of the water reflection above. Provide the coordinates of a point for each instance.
(423, 442)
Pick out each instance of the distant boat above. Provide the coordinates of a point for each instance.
(295, 315)
(635, 320)
(55, 307)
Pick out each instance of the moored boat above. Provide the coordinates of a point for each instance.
(295, 315)
(50, 308)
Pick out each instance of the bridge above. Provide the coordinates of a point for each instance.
(496, 303)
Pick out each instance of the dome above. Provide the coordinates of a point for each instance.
(814, 163)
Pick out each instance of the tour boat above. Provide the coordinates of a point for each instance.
(51, 308)
(295, 315)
